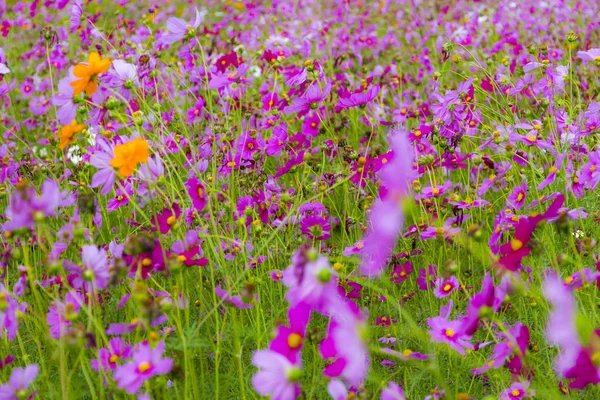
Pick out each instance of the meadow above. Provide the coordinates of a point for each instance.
(299, 199)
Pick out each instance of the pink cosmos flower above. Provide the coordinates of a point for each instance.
(109, 357)
(179, 28)
(444, 287)
(147, 363)
(289, 340)
(94, 275)
(18, 384)
(393, 392)
(277, 377)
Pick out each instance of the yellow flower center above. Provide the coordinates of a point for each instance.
(144, 366)
(531, 138)
(449, 333)
(418, 133)
(146, 262)
(568, 279)
(516, 244)
(181, 258)
(447, 287)
(537, 127)
(516, 393)
(435, 191)
(520, 196)
(114, 358)
(360, 245)
(171, 220)
(294, 340)
(407, 353)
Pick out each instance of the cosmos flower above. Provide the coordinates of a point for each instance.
(17, 386)
(109, 358)
(67, 132)
(277, 377)
(179, 28)
(147, 362)
(289, 340)
(88, 73)
(129, 155)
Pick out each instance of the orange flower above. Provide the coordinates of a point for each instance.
(88, 72)
(67, 132)
(129, 155)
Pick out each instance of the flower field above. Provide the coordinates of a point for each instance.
(299, 199)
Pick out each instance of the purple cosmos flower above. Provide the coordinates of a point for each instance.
(123, 79)
(315, 227)
(357, 99)
(9, 307)
(18, 384)
(122, 196)
(427, 277)
(344, 343)
(386, 218)
(449, 332)
(147, 363)
(309, 101)
(310, 279)
(277, 377)
(64, 99)
(406, 354)
(60, 314)
(393, 392)
(590, 55)
(444, 287)
(517, 198)
(109, 358)
(517, 391)
(337, 390)
(75, 18)
(179, 28)
(235, 300)
(94, 275)
(25, 206)
(196, 113)
(3, 67)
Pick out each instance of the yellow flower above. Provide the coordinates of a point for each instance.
(129, 155)
(67, 132)
(87, 74)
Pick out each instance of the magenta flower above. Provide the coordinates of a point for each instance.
(147, 363)
(179, 29)
(517, 198)
(197, 193)
(444, 287)
(357, 99)
(167, 218)
(315, 227)
(309, 101)
(427, 277)
(109, 357)
(517, 391)
(406, 354)
(196, 113)
(401, 272)
(277, 377)
(289, 340)
(18, 385)
(449, 332)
